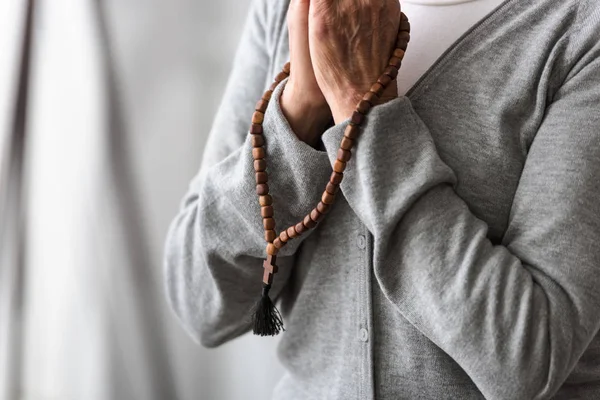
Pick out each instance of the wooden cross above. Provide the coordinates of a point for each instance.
(270, 269)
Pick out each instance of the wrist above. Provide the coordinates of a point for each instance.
(344, 106)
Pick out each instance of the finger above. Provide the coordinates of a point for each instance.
(298, 39)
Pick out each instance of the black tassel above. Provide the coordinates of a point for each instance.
(267, 320)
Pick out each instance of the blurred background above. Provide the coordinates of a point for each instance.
(105, 106)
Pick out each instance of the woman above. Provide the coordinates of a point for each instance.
(461, 259)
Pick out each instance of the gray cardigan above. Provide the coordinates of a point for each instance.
(461, 259)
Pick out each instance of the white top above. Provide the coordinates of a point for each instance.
(434, 26)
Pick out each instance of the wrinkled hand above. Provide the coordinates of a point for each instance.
(350, 44)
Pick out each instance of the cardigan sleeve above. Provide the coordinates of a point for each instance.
(215, 245)
(515, 316)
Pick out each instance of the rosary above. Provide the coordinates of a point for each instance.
(267, 319)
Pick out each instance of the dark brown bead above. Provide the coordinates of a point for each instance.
(300, 228)
(371, 98)
(402, 44)
(339, 166)
(260, 164)
(258, 153)
(266, 211)
(273, 86)
(363, 106)
(399, 53)
(267, 95)
(270, 235)
(395, 62)
(261, 106)
(257, 140)
(403, 17)
(327, 197)
(268, 223)
(291, 231)
(286, 68)
(346, 143)
(262, 189)
(351, 131)
(271, 249)
(403, 35)
(378, 89)
(258, 117)
(284, 236)
(315, 215)
(261, 177)
(405, 26)
(343, 155)
(331, 188)
(336, 178)
(265, 200)
(384, 80)
(280, 76)
(278, 243)
(391, 71)
(308, 222)
(256, 129)
(323, 208)
(357, 118)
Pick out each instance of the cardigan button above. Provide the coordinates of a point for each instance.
(360, 241)
(363, 334)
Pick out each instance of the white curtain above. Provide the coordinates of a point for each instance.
(120, 97)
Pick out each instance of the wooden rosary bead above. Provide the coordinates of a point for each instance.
(336, 178)
(402, 44)
(259, 164)
(258, 153)
(256, 129)
(261, 106)
(273, 86)
(257, 140)
(332, 188)
(339, 166)
(327, 197)
(258, 117)
(287, 68)
(378, 89)
(315, 215)
(269, 223)
(278, 243)
(404, 35)
(271, 250)
(343, 155)
(300, 228)
(308, 222)
(266, 211)
(357, 118)
(261, 177)
(399, 53)
(363, 106)
(280, 76)
(267, 95)
(351, 132)
(390, 71)
(384, 80)
(291, 231)
(262, 189)
(323, 208)
(346, 143)
(405, 26)
(395, 62)
(270, 235)
(403, 17)
(371, 98)
(265, 200)
(283, 236)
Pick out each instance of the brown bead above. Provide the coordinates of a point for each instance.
(315, 215)
(291, 231)
(278, 243)
(378, 89)
(343, 155)
(270, 235)
(256, 129)
(395, 62)
(260, 165)
(265, 200)
(351, 131)
(402, 44)
(403, 35)
(257, 140)
(308, 222)
(363, 106)
(405, 26)
(336, 178)
(323, 208)
(391, 71)
(357, 118)
(339, 166)
(266, 211)
(286, 68)
(267, 95)
(371, 98)
(327, 197)
(262, 189)
(273, 86)
(346, 143)
(261, 106)
(403, 17)
(261, 177)
(258, 117)
(258, 153)
(332, 188)
(280, 76)
(399, 53)
(384, 80)
(300, 228)
(271, 249)
(283, 236)
(268, 223)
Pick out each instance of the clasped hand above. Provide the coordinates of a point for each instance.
(338, 49)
